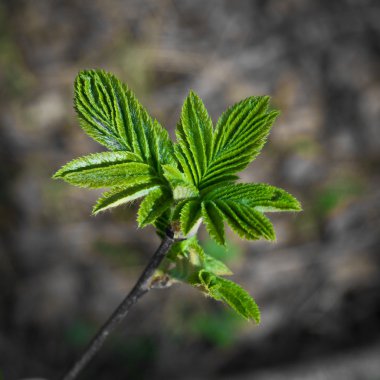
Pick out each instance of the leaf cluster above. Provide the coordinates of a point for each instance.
(181, 184)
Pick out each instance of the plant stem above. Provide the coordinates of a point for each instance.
(141, 287)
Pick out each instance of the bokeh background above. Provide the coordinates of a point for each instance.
(62, 271)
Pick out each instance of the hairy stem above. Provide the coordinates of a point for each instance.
(142, 286)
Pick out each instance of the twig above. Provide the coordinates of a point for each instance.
(142, 286)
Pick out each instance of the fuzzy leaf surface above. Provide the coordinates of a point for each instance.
(231, 293)
(194, 135)
(190, 214)
(117, 197)
(246, 221)
(182, 188)
(239, 136)
(162, 223)
(106, 169)
(242, 206)
(190, 258)
(215, 266)
(110, 113)
(213, 219)
(262, 197)
(153, 206)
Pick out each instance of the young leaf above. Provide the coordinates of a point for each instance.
(110, 113)
(176, 216)
(238, 226)
(181, 269)
(182, 188)
(262, 197)
(118, 197)
(153, 206)
(213, 220)
(239, 136)
(242, 204)
(195, 254)
(174, 176)
(162, 223)
(107, 169)
(229, 292)
(195, 249)
(238, 299)
(100, 102)
(215, 266)
(246, 221)
(194, 134)
(190, 214)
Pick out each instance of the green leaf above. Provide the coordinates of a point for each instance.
(262, 197)
(231, 293)
(239, 136)
(100, 102)
(160, 144)
(238, 299)
(194, 135)
(246, 221)
(190, 215)
(110, 113)
(197, 257)
(107, 169)
(178, 209)
(183, 258)
(162, 223)
(196, 253)
(213, 220)
(153, 206)
(215, 266)
(242, 206)
(180, 269)
(190, 249)
(117, 197)
(240, 227)
(174, 175)
(182, 188)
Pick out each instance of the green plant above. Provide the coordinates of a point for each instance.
(181, 184)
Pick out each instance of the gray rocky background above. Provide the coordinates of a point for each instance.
(63, 271)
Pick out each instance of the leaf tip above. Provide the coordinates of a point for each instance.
(192, 94)
(222, 242)
(297, 207)
(256, 317)
(294, 204)
(58, 174)
(95, 210)
(270, 233)
(140, 222)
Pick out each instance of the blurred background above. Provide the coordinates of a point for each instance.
(63, 271)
